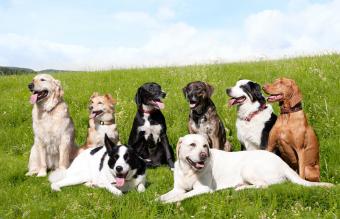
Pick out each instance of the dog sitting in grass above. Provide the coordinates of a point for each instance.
(101, 121)
(52, 126)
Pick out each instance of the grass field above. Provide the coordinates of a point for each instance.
(21, 196)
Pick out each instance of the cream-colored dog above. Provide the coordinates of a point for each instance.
(52, 126)
(101, 121)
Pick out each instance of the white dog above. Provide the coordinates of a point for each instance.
(52, 126)
(201, 170)
(102, 167)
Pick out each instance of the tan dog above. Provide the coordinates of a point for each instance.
(296, 140)
(101, 121)
(52, 126)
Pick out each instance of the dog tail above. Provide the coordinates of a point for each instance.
(292, 176)
(57, 175)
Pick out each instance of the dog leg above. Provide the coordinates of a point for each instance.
(246, 186)
(170, 195)
(68, 181)
(168, 150)
(43, 165)
(192, 193)
(64, 153)
(141, 188)
(34, 161)
(111, 188)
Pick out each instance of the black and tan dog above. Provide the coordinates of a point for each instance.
(148, 134)
(203, 118)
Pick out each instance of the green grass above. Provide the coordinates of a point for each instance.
(21, 196)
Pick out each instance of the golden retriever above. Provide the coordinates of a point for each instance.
(52, 126)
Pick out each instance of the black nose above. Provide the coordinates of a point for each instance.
(203, 155)
(228, 91)
(119, 169)
(30, 86)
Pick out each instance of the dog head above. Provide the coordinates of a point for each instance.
(123, 161)
(283, 90)
(245, 91)
(150, 95)
(46, 91)
(100, 105)
(193, 149)
(197, 92)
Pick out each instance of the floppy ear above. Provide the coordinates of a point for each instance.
(59, 92)
(109, 145)
(138, 98)
(210, 89)
(255, 90)
(95, 94)
(184, 89)
(178, 146)
(296, 96)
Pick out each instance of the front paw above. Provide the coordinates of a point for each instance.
(117, 192)
(141, 188)
(42, 173)
(55, 187)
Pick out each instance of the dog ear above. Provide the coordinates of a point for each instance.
(138, 98)
(184, 90)
(256, 92)
(178, 146)
(95, 94)
(210, 89)
(110, 98)
(109, 145)
(59, 92)
(296, 96)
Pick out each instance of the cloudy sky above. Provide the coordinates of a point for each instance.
(102, 34)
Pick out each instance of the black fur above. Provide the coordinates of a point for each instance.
(254, 92)
(159, 152)
(102, 161)
(95, 150)
(130, 157)
(266, 130)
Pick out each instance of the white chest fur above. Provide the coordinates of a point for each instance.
(149, 129)
(110, 130)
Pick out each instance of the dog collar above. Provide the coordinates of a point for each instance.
(251, 115)
(110, 122)
(296, 108)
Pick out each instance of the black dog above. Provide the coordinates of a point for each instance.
(148, 134)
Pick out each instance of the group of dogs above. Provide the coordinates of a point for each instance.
(274, 149)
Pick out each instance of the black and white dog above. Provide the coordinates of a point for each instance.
(148, 134)
(255, 118)
(116, 168)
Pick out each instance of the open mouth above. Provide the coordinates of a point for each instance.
(193, 104)
(236, 100)
(157, 103)
(38, 95)
(96, 113)
(120, 179)
(274, 97)
(197, 165)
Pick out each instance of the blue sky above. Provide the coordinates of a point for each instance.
(90, 35)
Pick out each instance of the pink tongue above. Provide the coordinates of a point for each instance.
(199, 165)
(33, 98)
(160, 104)
(120, 182)
(92, 115)
(231, 102)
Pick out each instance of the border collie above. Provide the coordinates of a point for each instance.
(148, 134)
(116, 168)
(255, 118)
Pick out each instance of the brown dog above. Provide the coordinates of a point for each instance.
(296, 140)
(101, 121)
(203, 118)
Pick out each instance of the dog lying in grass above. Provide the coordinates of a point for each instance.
(116, 168)
(52, 126)
(200, 170)
(101, 121)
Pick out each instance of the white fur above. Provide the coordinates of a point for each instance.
(85, 169)
(53, 129)
(240, 170)
(249, 132)
(149, 129)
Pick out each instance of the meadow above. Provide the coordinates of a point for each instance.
(29, 197)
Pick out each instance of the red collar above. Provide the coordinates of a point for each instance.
(147, 111)
(251, 115)
(296, 108)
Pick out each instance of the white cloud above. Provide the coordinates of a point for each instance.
(304, 28)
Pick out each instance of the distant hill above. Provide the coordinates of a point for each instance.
(49, 71)
(15, 71)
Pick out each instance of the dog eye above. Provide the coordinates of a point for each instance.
(100, 102)
(42, 79)
(126, 156)
(116, 157)
(205, 146)
(193, 145)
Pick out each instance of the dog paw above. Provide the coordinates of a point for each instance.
(55, 187)
(42, 173)
(30, 173)
(141, 188)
